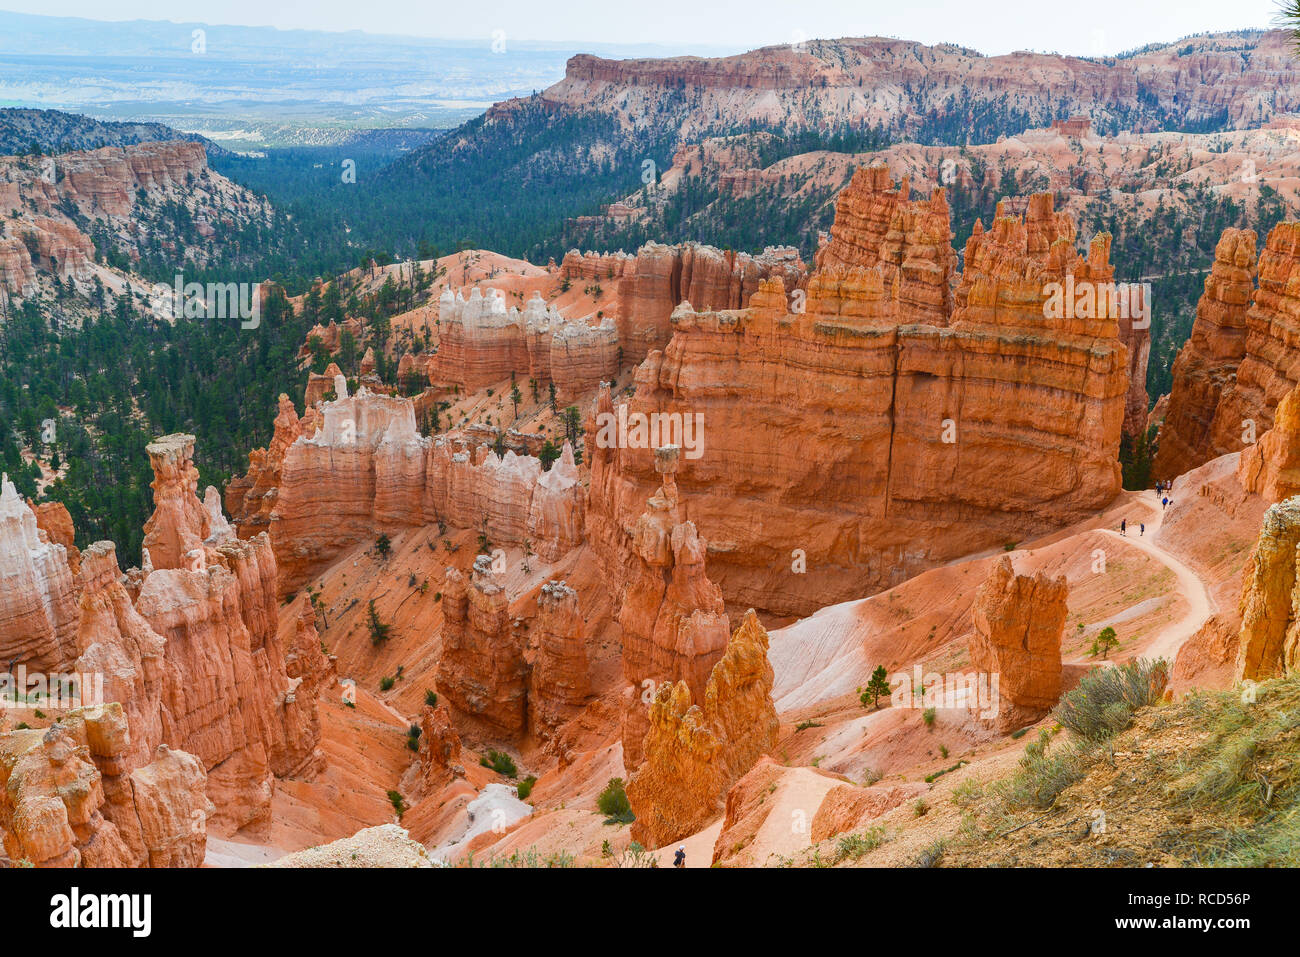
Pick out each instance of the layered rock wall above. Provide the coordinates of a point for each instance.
(1207, 364)
(866, 446)
(366, 469)
(1244, 354)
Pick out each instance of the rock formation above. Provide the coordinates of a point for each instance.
(70, 796)
(251, 498)
(175, 532)
(1271, 467)
(1239, 80)
(693, 754)
(673, 619)
(558, 508)
(1018, 622)
(482, 342)
(200, 695)
(57, 195)
(1135, 333)
(908, 243)
(212, 598)
(482, 675)
(440, 758)
(53, 519)
(1207, 364)
(38, 601)
(662, 277)
(1269, 642)
(558, 684)
(1235, 386)
(867, 446)
(366, 469)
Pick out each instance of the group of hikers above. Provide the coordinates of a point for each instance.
(1162, 493)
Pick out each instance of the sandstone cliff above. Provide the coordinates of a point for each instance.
(661, 277)
(1207, 364)
(1271, 467)
(559, 683)
(46, 202)
(673, 619)
(1231, 375)
(867, 446)
(1229, 79)
(205, 705)
(482, 342)
(365, 469)
(70, 796)
(38, 601)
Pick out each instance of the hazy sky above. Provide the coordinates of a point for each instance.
(990, 26)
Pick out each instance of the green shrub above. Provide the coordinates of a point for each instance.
(967, 793)
(613, 803)
(500, 762)
(1041, 776)
(526, 787)
(855, 845)
(378, 630)
(928, 716)
(430, 698)
(397, 801)
(386, 683)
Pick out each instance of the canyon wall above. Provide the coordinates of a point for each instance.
(662, 277)
(1233, 80)
(481, 342)
(849, 447)
(365, 468)
(40, 234)
(1243, 356)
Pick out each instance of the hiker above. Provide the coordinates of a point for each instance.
(1142, 529)
(679, 859)
(1164, 503)
(1123, 525)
